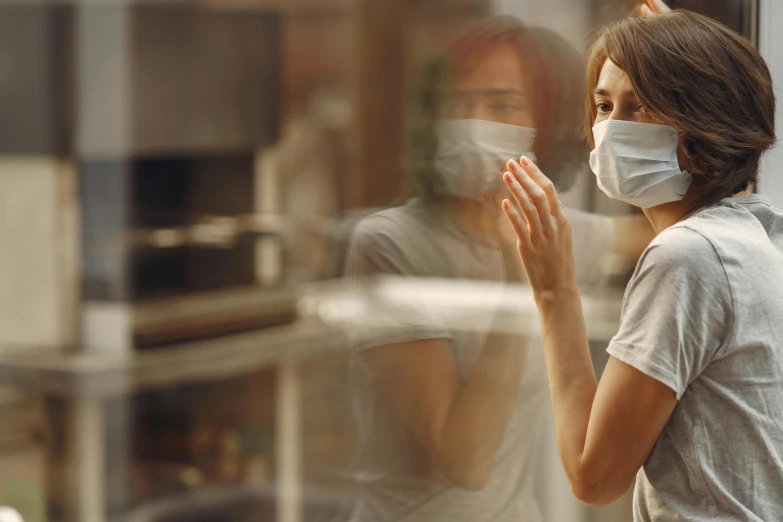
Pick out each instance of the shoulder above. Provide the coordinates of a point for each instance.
(390, 226)
(681, 260)
(680, 247)
(383, 242)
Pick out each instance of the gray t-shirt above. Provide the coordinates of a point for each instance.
(396, 484)
(703, 314)
(394, 474)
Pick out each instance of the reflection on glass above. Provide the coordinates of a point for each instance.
(451, 410)
(185, 191)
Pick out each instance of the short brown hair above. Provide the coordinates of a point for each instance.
(553, 72)
(702, 79)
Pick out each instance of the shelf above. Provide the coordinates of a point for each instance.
(329, 316)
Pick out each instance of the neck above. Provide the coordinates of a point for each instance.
(472, 217)
(664, 216)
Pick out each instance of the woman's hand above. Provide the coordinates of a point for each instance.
(650, 7)
(543, 234)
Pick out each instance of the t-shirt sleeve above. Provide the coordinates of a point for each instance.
(379, 246)
(677, 310)
(593, 237)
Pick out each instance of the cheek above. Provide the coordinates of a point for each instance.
(645, 117)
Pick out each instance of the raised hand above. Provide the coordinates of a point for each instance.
(650, 7)
(542, 230)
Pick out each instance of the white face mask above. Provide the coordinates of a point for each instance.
(471, 154)
(637, 163)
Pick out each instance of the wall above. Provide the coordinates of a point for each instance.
(38, 261)
(771, 47)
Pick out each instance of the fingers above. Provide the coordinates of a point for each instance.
(658, 6)
(525, 203)
(519, 225)
(650, 7)
(555, 207)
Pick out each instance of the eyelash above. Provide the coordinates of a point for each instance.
(505, 107)
(598, 106)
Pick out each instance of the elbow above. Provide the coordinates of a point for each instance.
(596, 492)
(469, 483)
(464, 466)
(589, 494)
(467, 478)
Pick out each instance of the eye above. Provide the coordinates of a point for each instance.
(642, 109)
(505, 107)
(456, 107)
(603, 107)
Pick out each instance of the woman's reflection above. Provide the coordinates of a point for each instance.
(449, 427)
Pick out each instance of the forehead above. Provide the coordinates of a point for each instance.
(501, 69)
(613, 80)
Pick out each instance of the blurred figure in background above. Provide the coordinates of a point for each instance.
(448, 425)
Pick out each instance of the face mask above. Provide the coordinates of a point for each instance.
(471, 154)
(637, 163)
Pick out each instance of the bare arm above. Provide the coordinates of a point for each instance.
(460, 422)
(605, 431)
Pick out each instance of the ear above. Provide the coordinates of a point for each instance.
(685, 150)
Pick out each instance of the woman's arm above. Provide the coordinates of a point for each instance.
(604, 432)
(461, 423)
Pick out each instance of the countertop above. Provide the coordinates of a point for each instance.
(328, 313)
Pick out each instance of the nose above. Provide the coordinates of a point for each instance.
(617, 115)
(620, 113)
(478, 111)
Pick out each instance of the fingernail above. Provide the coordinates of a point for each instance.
(506, 204)
(514, 166)
(525, 161)
(508, 178)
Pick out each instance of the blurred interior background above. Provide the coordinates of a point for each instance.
(179, 180)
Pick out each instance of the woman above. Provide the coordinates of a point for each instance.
(681, 110)
(449, 426)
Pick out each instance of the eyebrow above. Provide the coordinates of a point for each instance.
(497, 92)
(604, 92)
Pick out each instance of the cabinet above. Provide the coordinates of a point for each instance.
(167, 79)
